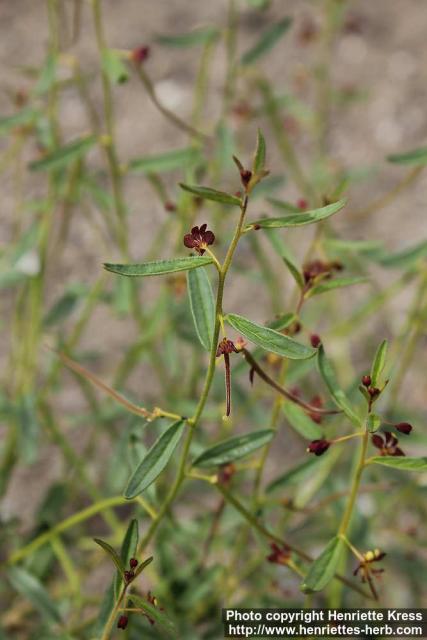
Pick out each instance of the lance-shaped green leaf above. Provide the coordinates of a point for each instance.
(324, 567)
(402, 463)
(155, 461)
(296, 274)
(336, 283)
(233, 448)
(64, 155)
(211, 194)
(269, 339)
(416, 156)
(112, 553)
(299, 219)
(283, 205)
(158, 267)
(259, 158)
(113, 67)
(24, 117)
(328, 374)
(296, 474)
(301, 422)
(168, 161)
(191, 39)
(155, 614)
(379, 362)
(202, 305)
(140, 568)
(267, 41)
(32, 589)
(406, 258)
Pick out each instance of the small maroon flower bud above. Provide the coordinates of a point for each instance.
(318, 447)
(315, 340)
(129, 576)
(374, 392)
(170, 206)
(404, 427)
(140, 54)
(225, 473)
(366, 381)
(302, 204)
(245, 176)
(280, 554)
(256, 227)
(123, 622)
(133, 563)
(377, 441)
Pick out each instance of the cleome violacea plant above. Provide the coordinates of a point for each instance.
(256, 460)
(214, 335)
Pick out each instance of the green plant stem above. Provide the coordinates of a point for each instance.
(68, 523)
(345, 521)
(180, 476)
(109, 624)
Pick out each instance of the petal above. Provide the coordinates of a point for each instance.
(209, 237)
(195, 231)
(189, 241)
(377, 441)
(398, 452)
(203, 228)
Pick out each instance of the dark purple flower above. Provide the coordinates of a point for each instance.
(123, 622)
(140, 54)
(199, 239)
(387, 445)
(315, 340)
(366, 381)
(133, 563)
(280, 554)
(318, 447)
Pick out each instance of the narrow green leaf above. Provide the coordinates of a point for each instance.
(296, 274)
(259, 158)
(155, 614)
(379, 362)
(355, 246)
(128, 550)
(64, 155)
(168, 161)
(406, 258)
(113, 66)
(24, 117)
(192, 38)
(158, 267)
(336, 283)
(269, 339)
(140, 568)
(403, 463)
(267, 41)
(323, 568)
(211, 194)
(301, 422)
(294, 475)
(328, 374)
(32, 589)
(416, 156)
(283, 205)
(202, 305)
(314, 481)
(299, 219)
(155, 461)
(233, 448)
(112, 553)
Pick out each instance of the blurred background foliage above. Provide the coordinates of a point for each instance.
(106, 107)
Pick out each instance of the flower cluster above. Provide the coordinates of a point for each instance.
(317, 269)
